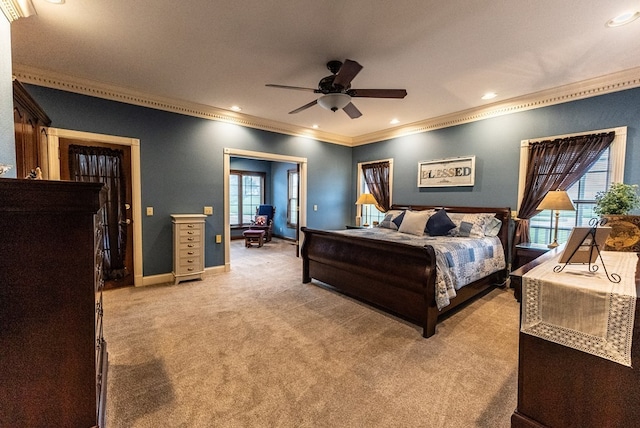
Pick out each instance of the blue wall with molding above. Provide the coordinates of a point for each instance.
(182, 157)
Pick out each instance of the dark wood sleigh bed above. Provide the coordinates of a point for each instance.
(397, 277)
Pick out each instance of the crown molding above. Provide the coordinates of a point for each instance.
(49, 79)
(14, 9)
(615, 82)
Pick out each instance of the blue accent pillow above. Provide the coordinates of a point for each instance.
(398, 220)
(439, 224)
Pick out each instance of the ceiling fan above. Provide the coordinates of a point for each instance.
(336, 89)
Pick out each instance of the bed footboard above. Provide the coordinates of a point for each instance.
(400, 279)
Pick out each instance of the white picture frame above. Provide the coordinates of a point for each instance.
(449, 172)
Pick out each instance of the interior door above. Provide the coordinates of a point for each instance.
(127, 278)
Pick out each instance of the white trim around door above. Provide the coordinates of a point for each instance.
(53, 147)
(228, 152)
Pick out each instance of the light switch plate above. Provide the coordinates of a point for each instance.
(149, 211)
(208, 210)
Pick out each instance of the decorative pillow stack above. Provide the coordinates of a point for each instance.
(467, 224)
(388, 221)
(261, 220)
(415, 222)
(441, 223)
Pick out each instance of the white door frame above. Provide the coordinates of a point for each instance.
(53, 147)
(302, 214)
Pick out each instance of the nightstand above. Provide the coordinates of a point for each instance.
(527, 252)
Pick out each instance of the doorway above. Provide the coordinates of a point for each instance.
(302, 203)
(126, 228)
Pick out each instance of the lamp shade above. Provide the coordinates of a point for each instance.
(557, 200)
(366, 198)
(334, 102)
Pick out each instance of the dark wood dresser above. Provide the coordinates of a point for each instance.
(559, 386)
(52, 353)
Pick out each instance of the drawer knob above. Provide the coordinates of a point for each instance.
(190, 232)
(190, 252)
(190, 269)
(189, 225)
(190, 261)
(190, 239)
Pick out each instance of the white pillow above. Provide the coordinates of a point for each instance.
(414, 222)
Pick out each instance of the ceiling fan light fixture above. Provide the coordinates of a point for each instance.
(334, 102)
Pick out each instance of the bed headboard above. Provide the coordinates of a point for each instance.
(502, 214)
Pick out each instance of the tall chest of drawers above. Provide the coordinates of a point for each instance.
(53, 354)
(188, 246)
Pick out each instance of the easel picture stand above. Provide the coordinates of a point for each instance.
(593, 248)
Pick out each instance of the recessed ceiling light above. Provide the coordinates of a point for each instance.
(394, 121)
(56, 1)
(314, 126)
(622, 19)
(235, 108)
(489, 96)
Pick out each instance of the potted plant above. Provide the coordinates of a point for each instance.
(614, 205)
(620, 199)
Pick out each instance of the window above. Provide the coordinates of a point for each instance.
(246, 192)
(609, 168)
(373, 215)
(292, 198)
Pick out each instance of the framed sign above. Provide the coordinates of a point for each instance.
(459, 171)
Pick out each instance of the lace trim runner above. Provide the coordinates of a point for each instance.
(581, 309)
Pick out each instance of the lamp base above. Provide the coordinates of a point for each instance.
(554, 244)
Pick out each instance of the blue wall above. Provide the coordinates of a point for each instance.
(496, 144)
(182, 159)
(7, 133)
(182, 166)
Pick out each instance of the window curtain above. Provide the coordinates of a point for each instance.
(556, 165)
(104, 165)
(376, 175)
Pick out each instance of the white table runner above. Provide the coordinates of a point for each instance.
(581, 309)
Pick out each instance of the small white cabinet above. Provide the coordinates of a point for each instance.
(188, 246)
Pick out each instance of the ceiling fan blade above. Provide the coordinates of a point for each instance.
(378, 93)
(352, 111)
(347, 72)
(304, 107)
(297, 88)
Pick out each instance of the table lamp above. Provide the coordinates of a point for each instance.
(556, 200)
(366, 199)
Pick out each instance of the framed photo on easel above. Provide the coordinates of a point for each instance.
(581, 247)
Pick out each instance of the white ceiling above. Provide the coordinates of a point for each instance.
(446, 54)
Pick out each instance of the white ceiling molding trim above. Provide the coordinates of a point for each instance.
(14, 9)
(627, 79)
(615, 82)
(26, 74)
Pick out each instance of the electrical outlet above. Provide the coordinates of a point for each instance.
(218, 239)
(149, 211)
(208, 210)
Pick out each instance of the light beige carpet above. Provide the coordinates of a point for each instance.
(255, 347)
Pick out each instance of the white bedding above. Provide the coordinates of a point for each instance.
(459, 260)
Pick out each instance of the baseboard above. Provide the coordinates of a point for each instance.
(165, 278)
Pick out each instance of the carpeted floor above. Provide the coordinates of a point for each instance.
(255, 347)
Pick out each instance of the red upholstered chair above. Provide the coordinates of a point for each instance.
(264, 220)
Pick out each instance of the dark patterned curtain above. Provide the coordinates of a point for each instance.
(376, 175)
(556, 165)
(104, 165)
